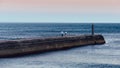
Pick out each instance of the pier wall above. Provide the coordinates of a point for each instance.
(27, 46)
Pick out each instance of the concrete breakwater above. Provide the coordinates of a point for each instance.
(27, 46)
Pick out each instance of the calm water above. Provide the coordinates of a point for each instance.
(99, 56)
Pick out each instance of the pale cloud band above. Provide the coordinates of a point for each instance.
(61, 5)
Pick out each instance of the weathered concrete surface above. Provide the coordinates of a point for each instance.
(26, 46)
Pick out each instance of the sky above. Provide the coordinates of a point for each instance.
(71, 11)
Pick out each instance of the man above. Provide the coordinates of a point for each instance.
(62, 33)
(65, 33)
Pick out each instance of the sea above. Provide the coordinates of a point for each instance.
(98, 56)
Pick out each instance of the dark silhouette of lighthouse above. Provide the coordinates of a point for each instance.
(92, 29)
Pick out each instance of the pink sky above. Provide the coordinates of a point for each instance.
(61, 6)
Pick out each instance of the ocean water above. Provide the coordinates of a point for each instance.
(98, 56)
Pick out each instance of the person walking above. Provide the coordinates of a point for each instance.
(65, 33)
(62, 33)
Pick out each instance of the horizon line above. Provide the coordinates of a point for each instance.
(60, 22)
